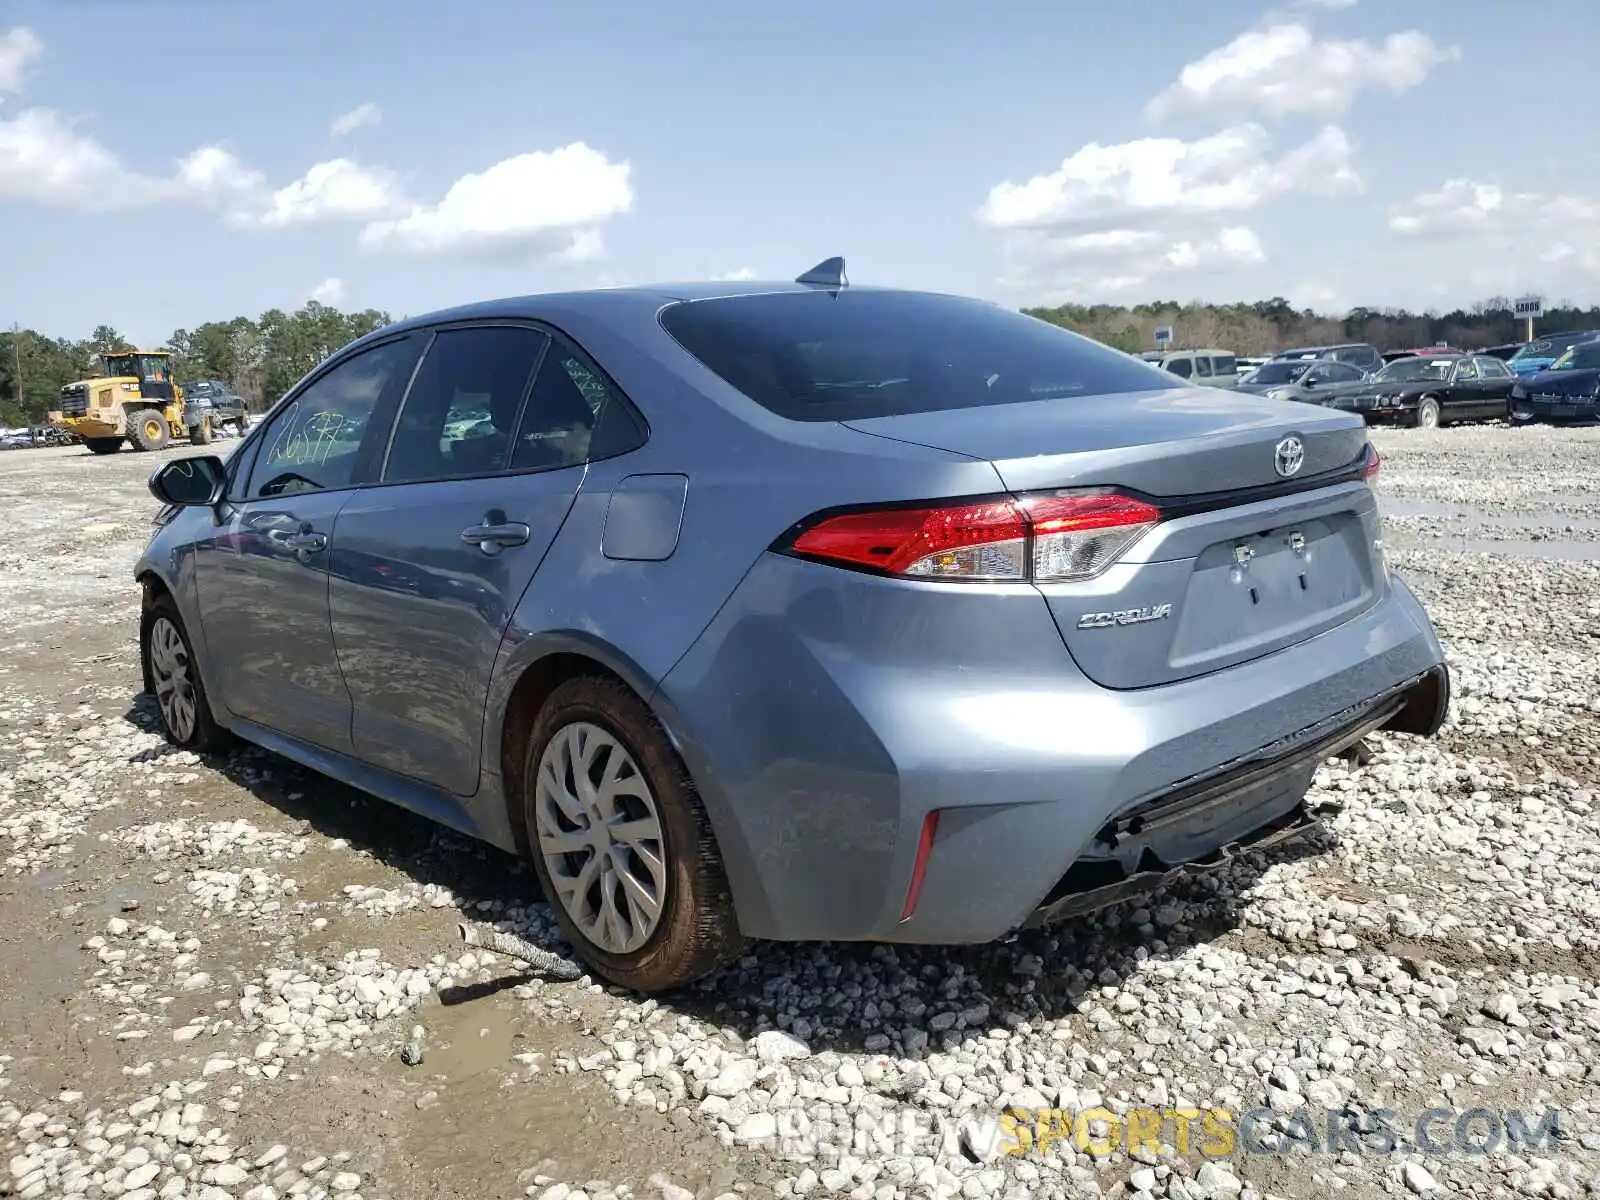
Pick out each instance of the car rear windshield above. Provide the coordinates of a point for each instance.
(1279, 372)
(844, 356)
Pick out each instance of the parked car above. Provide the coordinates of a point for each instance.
(1291, 379)
(1537, 355)
(1568, 391)
(1210, 368)
(1361, 355)
(1390, 356)
(798, 610)
(209, 405)
(1429, 392)
(1503, 353)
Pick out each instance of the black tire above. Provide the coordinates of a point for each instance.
(200, 435)
(147, 429)
(206, 733)
(1421, 421)
(243, 423)
(103, 445)
(698, 932)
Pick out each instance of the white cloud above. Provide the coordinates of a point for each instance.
(1330, 4)
(357, 118)
(1112, 218)
(339, 190)
(1226, 172)
(333, 292)
(45, 161)
(741, 275)
(18, 48)
(546, 203)
(1508, 240)
(1282, 69)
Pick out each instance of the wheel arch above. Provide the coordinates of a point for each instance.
(539, 666)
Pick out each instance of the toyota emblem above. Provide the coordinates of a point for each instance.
(1289, 456)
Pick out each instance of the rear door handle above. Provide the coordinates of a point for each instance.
(496, 533)
(307, 542)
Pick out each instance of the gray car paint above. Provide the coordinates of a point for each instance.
(821, 712)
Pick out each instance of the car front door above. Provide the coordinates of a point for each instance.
(428, 566)
(1497, 381)
(262, 579)
(1464, 398)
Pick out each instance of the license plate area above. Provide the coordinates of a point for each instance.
(1288, 583)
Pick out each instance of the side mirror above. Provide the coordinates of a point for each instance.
(1308, 382)
(190, 482)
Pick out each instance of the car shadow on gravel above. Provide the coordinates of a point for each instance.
(851, 998)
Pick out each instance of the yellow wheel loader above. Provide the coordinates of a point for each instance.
(135, 403)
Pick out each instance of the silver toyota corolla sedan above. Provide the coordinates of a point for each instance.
(790, 610)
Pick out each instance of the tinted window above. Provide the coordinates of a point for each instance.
(1225, 364)
(1466, 371)
(1180, 367)
(1551, 346)
(314, 441)
(839, 356)
(1493, 368)
(1278, 372)
(562, 412)
(460, 415)
(1202, 366)
(1344, 373)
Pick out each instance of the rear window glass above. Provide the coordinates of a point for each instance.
(826, 356)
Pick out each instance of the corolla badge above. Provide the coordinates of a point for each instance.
(1125, 616)
(1289, 456)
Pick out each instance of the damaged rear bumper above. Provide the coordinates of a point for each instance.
(1131, 856)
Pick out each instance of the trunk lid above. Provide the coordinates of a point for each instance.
(1242, 565)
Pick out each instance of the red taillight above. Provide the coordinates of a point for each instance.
(919, 867)
(1370, 471)
(1043, 537)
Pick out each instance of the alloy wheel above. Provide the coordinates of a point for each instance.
(600, 837)
(174, 684)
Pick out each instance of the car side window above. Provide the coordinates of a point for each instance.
(1321, 373)
(1343, 373)
(461, 412)
(1467, 371)
(1202, 366)
(1493, 368)
(562, 411)
(1225, 364)
(1179, 367)
(314, 442)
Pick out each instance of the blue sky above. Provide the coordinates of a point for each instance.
(165, 162)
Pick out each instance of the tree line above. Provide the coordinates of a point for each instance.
(1267, 326)
(262, 358)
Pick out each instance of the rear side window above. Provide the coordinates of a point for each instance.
(1181, 367)
(459, 417)
(842, 356)
(1493, 368)
(1225, 364)
(1202, 366)
(563, 410)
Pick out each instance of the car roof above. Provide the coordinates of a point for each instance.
(600, 303)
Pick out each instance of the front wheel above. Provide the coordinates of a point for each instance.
(1427, 413)
(200, 435)
(173, 676)
(148, 429)
(103, 445)
(621, 843)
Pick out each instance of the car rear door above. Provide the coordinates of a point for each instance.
(1464, 397)
(1497, 381)
(427, 567)
(262, 577)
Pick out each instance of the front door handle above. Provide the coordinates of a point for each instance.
(305, 542)
(496, 533)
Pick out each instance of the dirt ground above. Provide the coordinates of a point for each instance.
(166, 917)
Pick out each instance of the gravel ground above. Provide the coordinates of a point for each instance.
(230, 978)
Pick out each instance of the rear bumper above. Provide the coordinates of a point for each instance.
(825, 714)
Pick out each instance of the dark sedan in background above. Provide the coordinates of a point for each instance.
(1428, 392)
(1568, 391)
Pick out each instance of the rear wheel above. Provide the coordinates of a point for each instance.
(173, 676)
(200, 435)
(621, 843)
(148, 429)
(103, 445)
(1427, 413)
